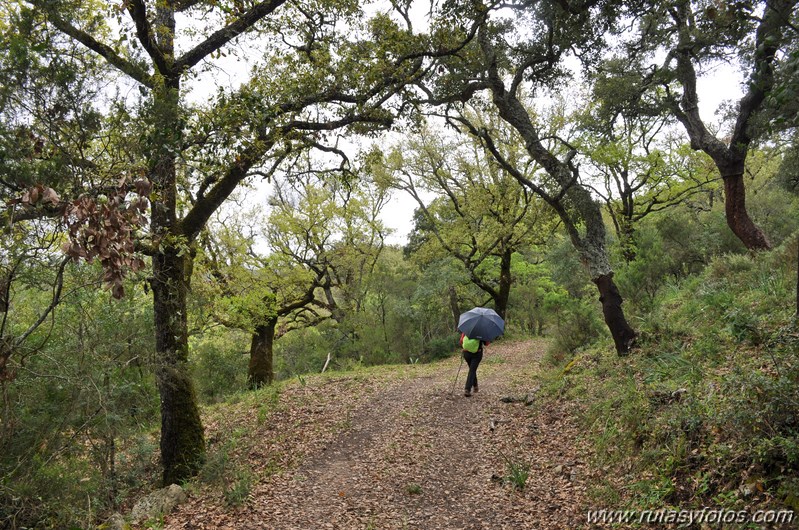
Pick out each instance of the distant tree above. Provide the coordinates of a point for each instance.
(640, 166)
(330, 227)
(253, 292)
(508, 60)
(479, 212)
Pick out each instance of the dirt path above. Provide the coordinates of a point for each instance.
(414, 455)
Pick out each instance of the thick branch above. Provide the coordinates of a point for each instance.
(138, 12)
(105, 51)
(198, 216)
(226, 34)
(768, 37)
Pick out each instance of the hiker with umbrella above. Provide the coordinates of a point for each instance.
(478, 327)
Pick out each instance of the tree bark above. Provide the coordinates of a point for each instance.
(626, 234)
(182, 437)
(453, 306)
(738, 218)
(261, 368)
(623, 335)
(505, 280)
(182, 441)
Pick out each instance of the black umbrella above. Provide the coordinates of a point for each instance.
(481, 323)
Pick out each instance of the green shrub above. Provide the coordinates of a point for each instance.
(220, 363)
(238, 490)
(578, 323)
(439, 348)
(711, 399)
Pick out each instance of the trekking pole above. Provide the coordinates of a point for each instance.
(456, 376)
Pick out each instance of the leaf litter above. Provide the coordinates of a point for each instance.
(395, 448)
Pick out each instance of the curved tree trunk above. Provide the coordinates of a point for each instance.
(623, 335)
(738, 218)
(261, 369)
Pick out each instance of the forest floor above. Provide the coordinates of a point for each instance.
(394, 448)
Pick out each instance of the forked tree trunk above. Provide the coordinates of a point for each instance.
(738, 218)
(261, 368)
(623, 335)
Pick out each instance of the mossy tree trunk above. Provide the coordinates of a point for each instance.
(261, 368)
(182, 440)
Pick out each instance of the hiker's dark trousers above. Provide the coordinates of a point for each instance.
(473, 360)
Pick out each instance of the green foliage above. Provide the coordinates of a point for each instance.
(516, 472)
(76, 416)
(577, 324)
(219, 363)
(238, 490)
(413, 489)
(535, 297)
(705, 412)
(224, 469)
(303, 351)
(642, 278)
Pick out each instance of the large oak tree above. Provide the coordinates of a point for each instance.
(315, 68)
(515, 54)
(693, 35)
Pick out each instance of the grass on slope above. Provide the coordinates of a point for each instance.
(706, 413)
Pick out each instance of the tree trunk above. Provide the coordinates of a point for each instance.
(626, 234)
(591, 245)
(623, 335)
(261, 369)
(505, 280)
(738, 218)
(454, 306)
(182, 437)
(182, 442)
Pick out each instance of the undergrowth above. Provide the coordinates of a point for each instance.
(706, 411)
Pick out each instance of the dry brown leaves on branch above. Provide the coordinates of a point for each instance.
(100, 225)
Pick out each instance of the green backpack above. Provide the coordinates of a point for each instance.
(471, 345)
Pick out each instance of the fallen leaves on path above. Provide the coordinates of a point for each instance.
(395, 448)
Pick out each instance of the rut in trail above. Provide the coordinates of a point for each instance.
(416, 455)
